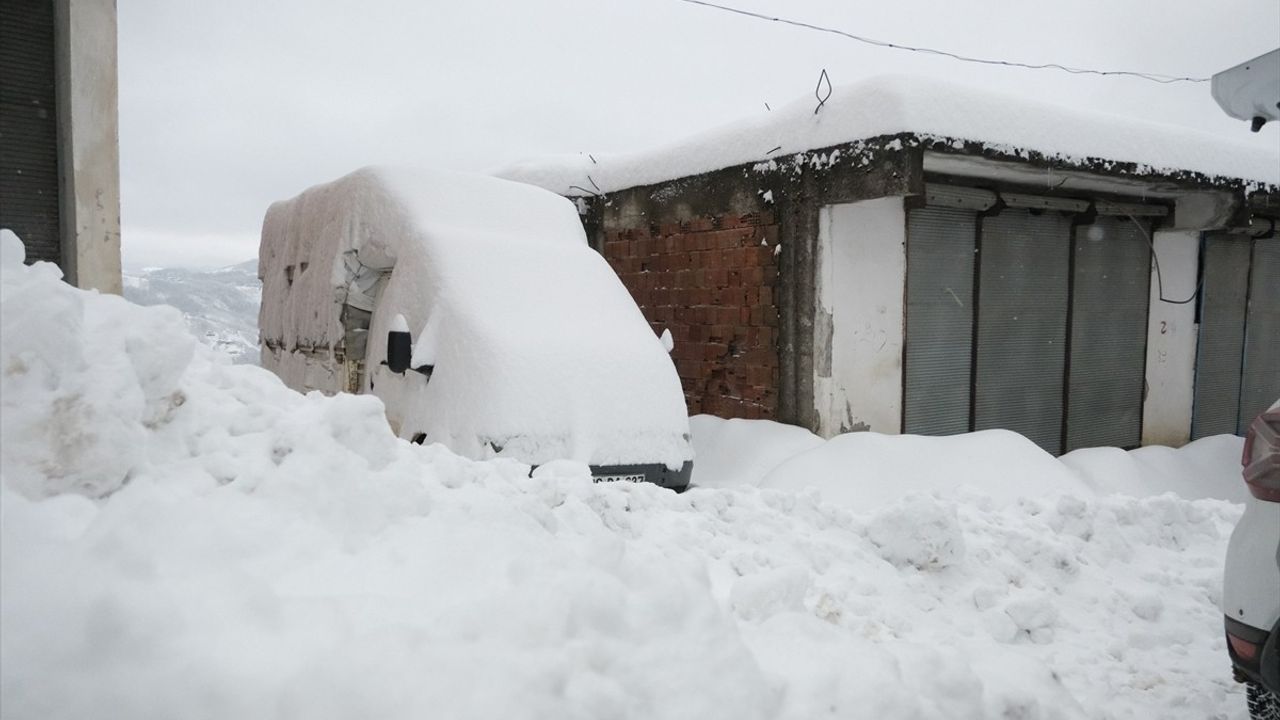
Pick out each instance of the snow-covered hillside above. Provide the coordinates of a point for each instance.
(181, 537)
(221, 306)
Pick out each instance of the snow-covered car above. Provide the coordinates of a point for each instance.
(508, 335)
(1251, 592)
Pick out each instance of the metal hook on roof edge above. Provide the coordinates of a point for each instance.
(817, 91)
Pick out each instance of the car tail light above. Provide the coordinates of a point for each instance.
(1243, 649)
(1261, 459)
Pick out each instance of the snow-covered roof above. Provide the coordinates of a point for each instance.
(929, 109)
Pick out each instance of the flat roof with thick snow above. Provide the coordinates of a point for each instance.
(938, 113)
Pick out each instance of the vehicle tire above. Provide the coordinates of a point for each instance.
(1263, 705)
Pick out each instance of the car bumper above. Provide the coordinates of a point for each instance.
(1251, 582)
(655, 473)
(1255, 653)
(1251, 595)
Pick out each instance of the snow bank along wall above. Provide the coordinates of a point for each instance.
(935, 285)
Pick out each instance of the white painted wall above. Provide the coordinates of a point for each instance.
(861, 295)
(1171, 341)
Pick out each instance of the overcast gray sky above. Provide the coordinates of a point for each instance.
(228, 106)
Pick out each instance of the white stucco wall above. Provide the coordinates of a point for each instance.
(858, 337)
(1171, 341)
(88, 137)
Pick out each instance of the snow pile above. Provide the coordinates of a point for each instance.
(737, 452)
(539, 350)
(865, 471)
(918, 531)
(1206, 468)
(930, 108)
(80, 387)
(868, 470)
(273, 554)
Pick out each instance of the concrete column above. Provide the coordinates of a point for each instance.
(1172, 334)
(89, 142)
(858, 331)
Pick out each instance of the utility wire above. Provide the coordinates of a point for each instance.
(1153, 77)
(1155, 257)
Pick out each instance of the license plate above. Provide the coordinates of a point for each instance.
(633, 478)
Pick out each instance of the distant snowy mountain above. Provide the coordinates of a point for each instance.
(221, 306)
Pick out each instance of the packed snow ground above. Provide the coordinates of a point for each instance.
(184, 537)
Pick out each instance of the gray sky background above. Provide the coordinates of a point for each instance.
(228, 106)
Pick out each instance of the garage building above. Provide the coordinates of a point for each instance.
(914, 257)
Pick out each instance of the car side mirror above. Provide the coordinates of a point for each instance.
(668, 342)
(399, 350)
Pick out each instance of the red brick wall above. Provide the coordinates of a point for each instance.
(713, 282)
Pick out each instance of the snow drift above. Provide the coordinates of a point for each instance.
(181, 537)
(866, 470)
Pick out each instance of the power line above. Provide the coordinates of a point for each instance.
(1155, 257)
(1153, 77)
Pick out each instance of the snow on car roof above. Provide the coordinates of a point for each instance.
(369, 218)
(890, 105)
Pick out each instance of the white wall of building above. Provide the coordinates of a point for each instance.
(1171, 340)
(858, 337)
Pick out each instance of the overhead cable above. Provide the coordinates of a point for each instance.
(1152, 77)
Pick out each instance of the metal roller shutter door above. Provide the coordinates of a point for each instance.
(1260, 383)
(1223, 299)
(939, 349)
(1022, 324)
(28, 127)
(1110, 290)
